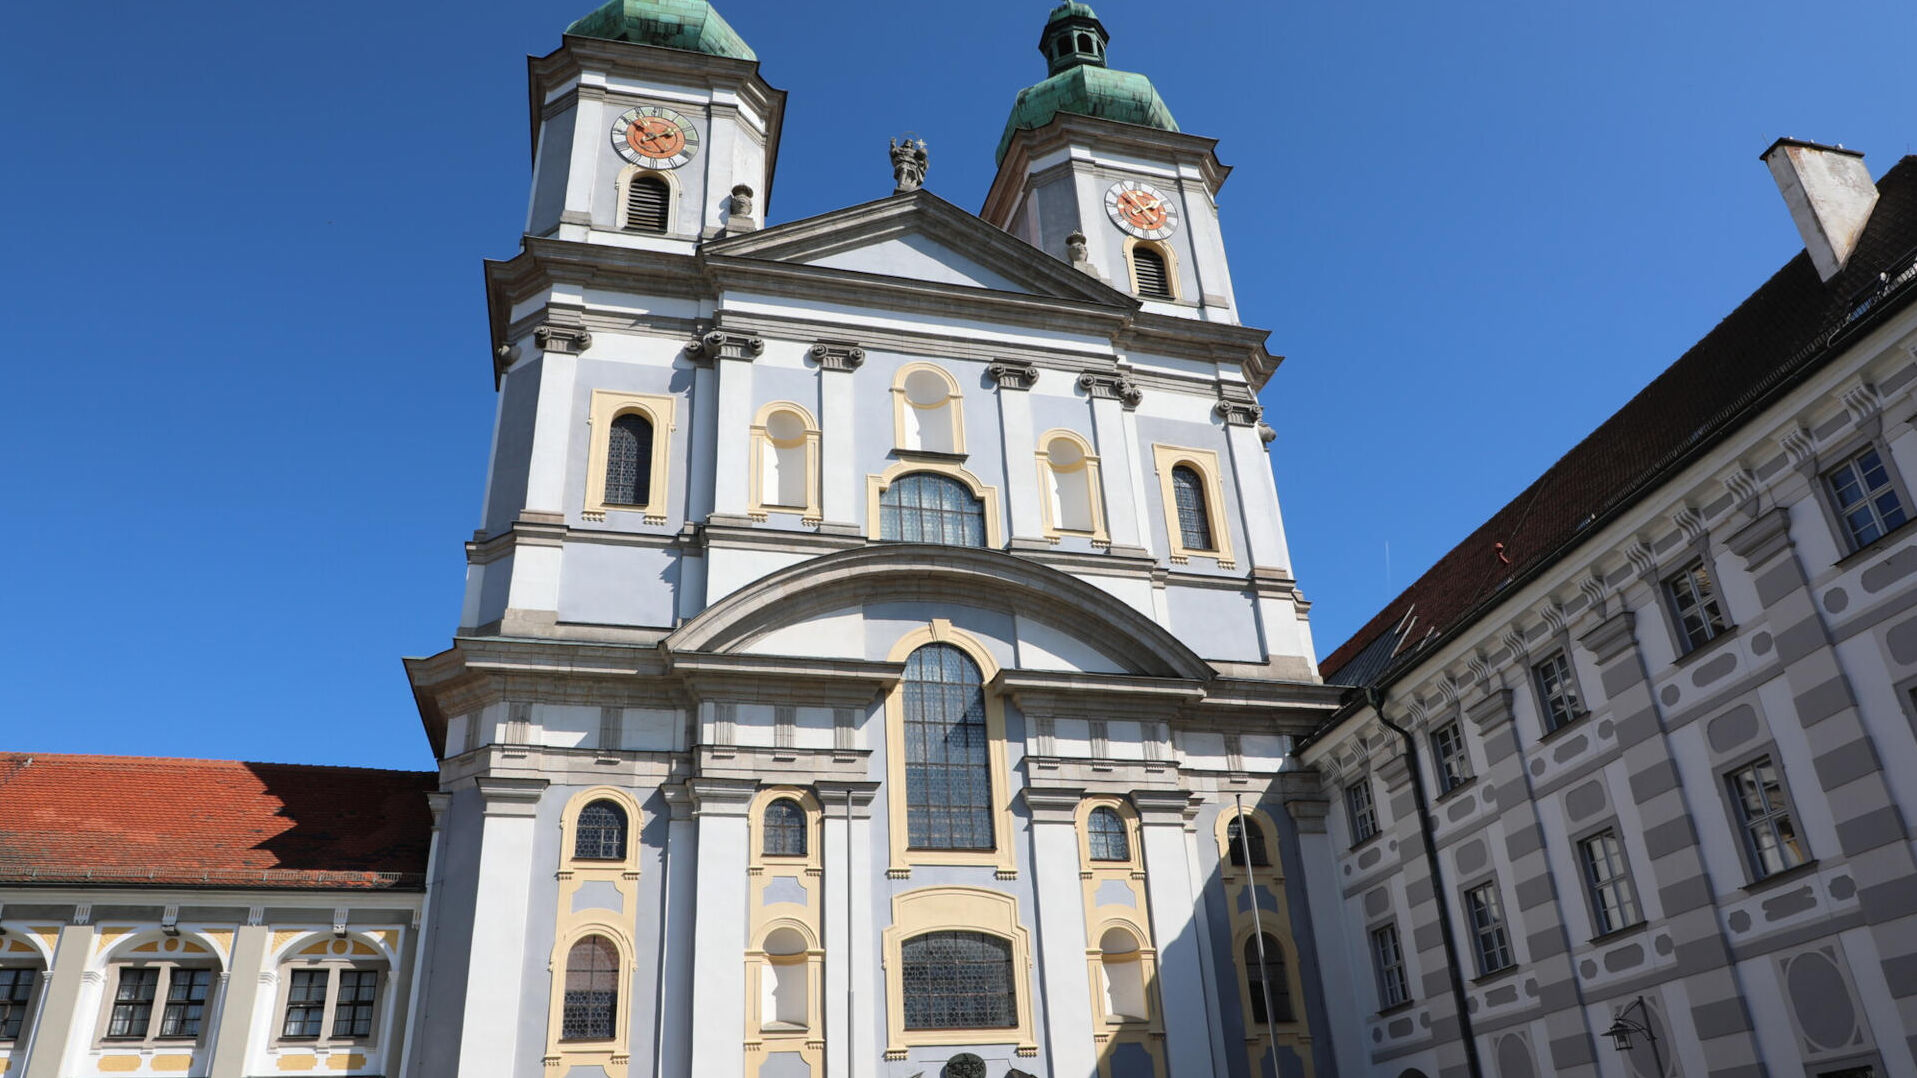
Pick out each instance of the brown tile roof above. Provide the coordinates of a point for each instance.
(1779, 334)
(133, 820)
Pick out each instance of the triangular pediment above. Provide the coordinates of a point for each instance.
(920, 237)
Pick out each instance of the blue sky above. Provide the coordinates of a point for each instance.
(245, 422)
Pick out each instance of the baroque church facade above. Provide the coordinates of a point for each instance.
(880, 657)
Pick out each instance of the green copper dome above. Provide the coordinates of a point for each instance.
(1073, 45)
(689, 25)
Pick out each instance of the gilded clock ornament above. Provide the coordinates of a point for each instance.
(1140, 209)
(654, 137)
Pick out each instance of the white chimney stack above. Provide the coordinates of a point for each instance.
(1830, 195)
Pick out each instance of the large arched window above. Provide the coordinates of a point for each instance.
(925, 507)
(958, 980)
(948, 775)
(629, 461)
(1194, 519)
(1260, 856)
(592, 990)
(1268, 974)
(601, 833)
(784, 829)
(1105, 834)
(648, 199)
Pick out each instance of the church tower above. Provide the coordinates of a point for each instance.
(1093, 151)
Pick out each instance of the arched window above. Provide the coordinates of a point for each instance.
(601, 833)
(1071, 486)
(925, 507)
(926, 415)
(1084, 43)
(783, 825)
(1124, 976)
(958, 980)
(1237, 840)
(948, 777)
(648, 198)
(1270, 973)
(629, 461)
(592, 990)
(1150, 272)
(1105, 834)
(1194, 520)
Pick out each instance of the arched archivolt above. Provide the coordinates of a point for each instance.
(358, 946)
(784, 436)
(156, 945)
(1272, 869)
(569, 830)
(912, 572)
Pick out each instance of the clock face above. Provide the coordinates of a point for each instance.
(1139, 209)
(654, 137)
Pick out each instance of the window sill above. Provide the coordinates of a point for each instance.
(1366, 841)
(1397, 1008)
(1708, 646)
(1494, 976)
(1573, 723)
(1778, 879)
(1878, 545)
(1463, 784)
(938, 455)
(1605, 939)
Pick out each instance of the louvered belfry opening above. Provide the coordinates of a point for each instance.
(1148, 267)
(646, 200)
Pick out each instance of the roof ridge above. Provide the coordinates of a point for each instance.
(192, 761)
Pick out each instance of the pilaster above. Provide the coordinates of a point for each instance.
(1165, 816)
(731, 356)
(1061, 926)
(62, 1029)
(1113, 396)
(719, 808)
(240, 998)
(851, 1031)
(489, 1039)
(839, 479)
(1022, 490)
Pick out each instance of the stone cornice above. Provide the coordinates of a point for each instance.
(1763, 538)
(721, 797)
(1163, 807)
(779, 679)
(1053, 804)
(1611, 637)
(1492, 711)
(510, 796)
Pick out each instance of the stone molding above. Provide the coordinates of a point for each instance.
(1763, 538)
(1164, 807)
(510, 797)
(833, 796)
(1100, 385)
(552, 337)
(1309, 814)
(1012, 373)
(1053, 804)
(718, 344)
(841, 356)
(1612, 637)
(1392, 768)
(721, 797)
(1491, 712)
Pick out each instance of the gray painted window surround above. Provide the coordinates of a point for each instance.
(1609, 891)
(1387, 963)
(1695, 606)
(1361, 811)
(1868, 436)
(1764, 816)
(1867, 501)
(1556, 683)
(1490, 938)
(1449, 758)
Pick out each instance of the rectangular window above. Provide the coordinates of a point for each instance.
(1866, 500)
(1557, 692)
(1387, 959)
(16, 987)
(353, 1007)
(133, 1002)
(1613, 903)
(1364, 815)
(1694, 606)
(186, 992)
(305, 1003)
(1447, 748)
(1770, 838)
(1491, 941)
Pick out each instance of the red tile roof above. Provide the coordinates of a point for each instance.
(1779, 334)
(133, 820)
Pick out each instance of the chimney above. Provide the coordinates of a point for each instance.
(1830, 195)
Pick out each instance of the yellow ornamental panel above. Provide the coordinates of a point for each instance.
(300, 1062)
(172, 1064)
(119, 1064)
(346, 1063)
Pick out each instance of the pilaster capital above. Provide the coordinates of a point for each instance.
(718, 344)
(556, 337)
(1393, 768)
(1053, 804)
(510, 797)
(1239, 413)
(1764, 538)
(721, 797)
(1308, 814)
(1611, 637)
(437, 802)
(1164, 807)
(1491, 712)
(838, 798)
(678, 801)
(842, 356)
(1109, 385)
(1012, 373)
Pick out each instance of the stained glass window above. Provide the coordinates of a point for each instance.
(958, 980)
(1235, 842)
(592, 990)
(629, 461)
(784, 828)
(601, 833)
(924, 507)
(1105, 834)
(948, 775)
(1267, 974)
(1194, 520)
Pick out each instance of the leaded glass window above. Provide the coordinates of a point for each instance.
(305, 1003)
(186, 991)
(784, 827)
(925, 507)
(948, 774)
(629, 461)
(1268, 974)
(1237, 832)
(1769, 835)
(1194, 519)
(958, 980)
(16, 987)
(592, 990)
(353, 1006)
(601, 833)
(1866, 499)
(1105, 834)
(1694, 605)
(133, 1002)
